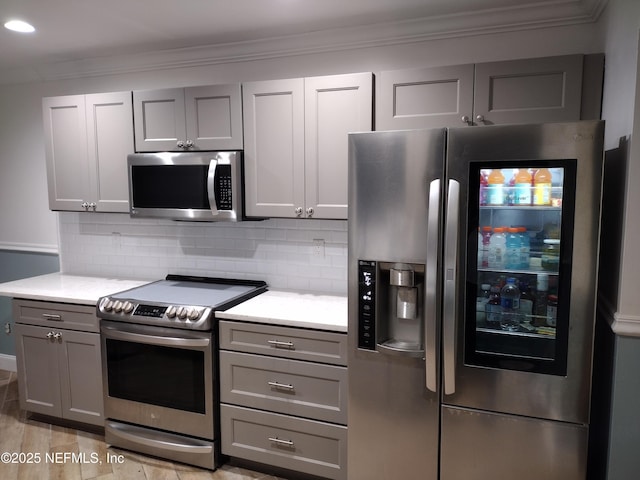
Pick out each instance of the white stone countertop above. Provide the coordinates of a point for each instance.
(60, 287)
(293, 309)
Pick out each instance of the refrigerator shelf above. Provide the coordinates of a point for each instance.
(519, 333)
(517, 272)
(528, 208)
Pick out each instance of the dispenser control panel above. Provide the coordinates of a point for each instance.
(367, 304)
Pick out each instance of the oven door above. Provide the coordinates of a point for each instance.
(160, 378)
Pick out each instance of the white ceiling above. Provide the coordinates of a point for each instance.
(72, 30)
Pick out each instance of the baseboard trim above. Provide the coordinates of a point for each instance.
(8, 362)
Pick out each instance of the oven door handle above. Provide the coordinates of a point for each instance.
(155, 339)
(159, 444)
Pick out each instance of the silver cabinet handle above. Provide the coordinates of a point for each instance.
(84, 205)
(279, 441)
(449, 313)
(466, 119)
(180, 144)
(57, 336)
(298, 211)
(285, 386)
(480, 118)
(51, 316)
(309, 212)
(188, 144)
(50, 335)
(279, 344)
(431, 287)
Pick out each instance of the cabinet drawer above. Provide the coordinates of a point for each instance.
(285, 386)
(295, 343)
(302, 445)
(56, 315)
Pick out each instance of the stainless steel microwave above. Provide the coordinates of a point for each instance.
(197, 186)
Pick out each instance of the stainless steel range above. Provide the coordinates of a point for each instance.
(159, 363)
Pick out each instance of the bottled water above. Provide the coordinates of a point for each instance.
(510, 303)
(525, 248)
(513, 249)
(497, 247)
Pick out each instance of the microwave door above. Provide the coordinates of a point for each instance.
(211, 190)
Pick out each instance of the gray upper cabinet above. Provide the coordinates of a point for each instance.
(184, 119)
(87, 140)
(520, 91)
(296, 143)
(425, 98)
(528, 91)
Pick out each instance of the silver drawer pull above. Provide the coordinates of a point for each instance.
(51, 316)
(279, 344)
(279, 441)
(285, 386)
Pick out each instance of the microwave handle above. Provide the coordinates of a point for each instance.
(211, 191)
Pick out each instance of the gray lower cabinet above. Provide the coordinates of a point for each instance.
(59, 367)
(283, 393)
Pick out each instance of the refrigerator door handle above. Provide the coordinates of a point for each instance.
(449, 312)
(431, 287)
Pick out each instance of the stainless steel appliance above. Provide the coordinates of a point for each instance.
(197, 186)
(452, 374)
(159, 361)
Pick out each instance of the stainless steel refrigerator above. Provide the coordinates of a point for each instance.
(453, 374)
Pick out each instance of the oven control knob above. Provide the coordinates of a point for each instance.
(108, 305)
(194, 314)
(171, 312)
(127, 307)
(117, 307)
(182, 313)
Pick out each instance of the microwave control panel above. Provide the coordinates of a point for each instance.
(223, 188)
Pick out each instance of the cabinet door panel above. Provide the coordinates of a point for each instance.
(214, 117)
(66, 152)
(334, 106)
(529, 91)
(110, 137)
(159, 119)
(298, 444)
(38, 373)
(81, 377)
(430, 97)
(304, 389)
(274, 147)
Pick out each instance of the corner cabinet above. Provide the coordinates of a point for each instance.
(187, 119)
(296, 143)
(537, 90)
(87, 140)
(58, 360)
(283, 394)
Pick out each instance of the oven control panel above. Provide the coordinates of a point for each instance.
(176, 316)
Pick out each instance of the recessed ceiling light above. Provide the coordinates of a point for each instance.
(19, 26)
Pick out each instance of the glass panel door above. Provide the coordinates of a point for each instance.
(520, 240)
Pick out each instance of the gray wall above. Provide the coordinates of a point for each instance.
(15, 265)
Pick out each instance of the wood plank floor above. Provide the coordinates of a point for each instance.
(22, 435)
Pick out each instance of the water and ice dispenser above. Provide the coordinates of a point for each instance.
(390, 307)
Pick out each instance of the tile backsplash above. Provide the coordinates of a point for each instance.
(289, 254)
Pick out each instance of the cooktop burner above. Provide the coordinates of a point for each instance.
(178, 301)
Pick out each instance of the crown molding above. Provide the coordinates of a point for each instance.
(532, 16)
